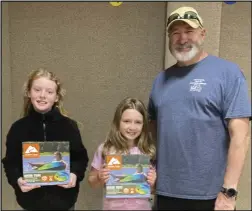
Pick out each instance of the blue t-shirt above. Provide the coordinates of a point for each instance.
(191, 106)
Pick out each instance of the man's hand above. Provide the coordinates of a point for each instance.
(224, 203)
(24, 187)
(72, 182)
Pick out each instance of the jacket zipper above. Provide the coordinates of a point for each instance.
(44, 128)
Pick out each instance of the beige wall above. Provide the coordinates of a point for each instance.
(6, 101)
(102, 54)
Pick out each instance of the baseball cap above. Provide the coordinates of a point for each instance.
(186, 14)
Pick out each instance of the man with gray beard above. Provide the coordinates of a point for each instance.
(199, 110)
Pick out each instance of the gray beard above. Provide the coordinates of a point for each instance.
(186, 56)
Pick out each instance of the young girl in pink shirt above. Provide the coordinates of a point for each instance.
(129, 134)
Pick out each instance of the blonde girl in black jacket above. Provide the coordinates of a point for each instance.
(44, 119)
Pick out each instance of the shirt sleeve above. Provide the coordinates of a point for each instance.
(236, 100)
(78, 153)
(98, 161)
(12, 162)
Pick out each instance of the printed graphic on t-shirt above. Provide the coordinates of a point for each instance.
(197, 84)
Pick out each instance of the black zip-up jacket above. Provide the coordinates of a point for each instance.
(52, 126)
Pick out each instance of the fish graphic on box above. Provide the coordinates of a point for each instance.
(46, 163)
(128, 175)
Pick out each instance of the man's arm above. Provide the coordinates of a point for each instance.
(239, 142)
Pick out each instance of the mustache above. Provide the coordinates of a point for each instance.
(183, 46)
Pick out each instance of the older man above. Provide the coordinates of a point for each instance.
(200, 110)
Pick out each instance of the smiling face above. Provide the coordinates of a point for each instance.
(43, 94)
(185, 42)
(131, 124)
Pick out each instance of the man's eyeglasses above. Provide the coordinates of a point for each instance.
(187, 15)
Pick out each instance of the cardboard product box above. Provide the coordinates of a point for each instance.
(46, 163)
(128, 176)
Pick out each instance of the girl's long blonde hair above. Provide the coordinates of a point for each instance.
(35, 74)
(116, 143)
